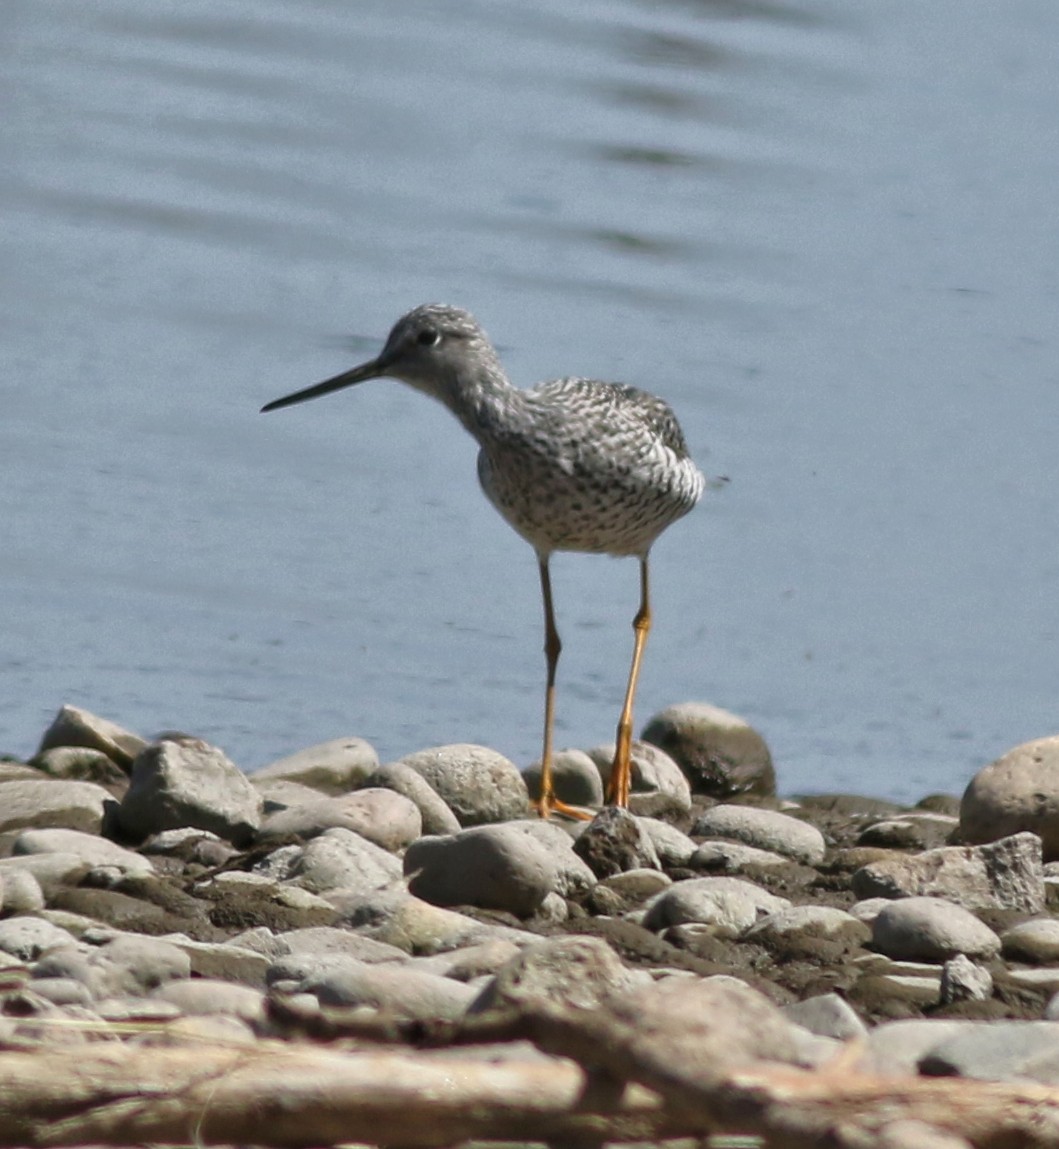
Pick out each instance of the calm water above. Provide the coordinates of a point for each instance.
(826, 232)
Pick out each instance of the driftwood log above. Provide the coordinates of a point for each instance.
(292, 1095)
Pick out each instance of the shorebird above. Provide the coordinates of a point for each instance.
(572, 464)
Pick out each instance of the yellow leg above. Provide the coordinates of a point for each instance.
(548, 803)
(618, 789)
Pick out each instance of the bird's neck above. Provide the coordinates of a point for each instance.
(483, 401)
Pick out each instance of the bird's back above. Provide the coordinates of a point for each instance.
(583, 465)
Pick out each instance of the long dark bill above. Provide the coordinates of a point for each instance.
(370, 370)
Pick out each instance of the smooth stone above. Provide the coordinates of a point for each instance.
(895, 1048)
(733, 857)
(494, 867)
(435, 815)
(638, 885)
(132, 965)
(616, 841)
(340, 859)
(765, 830)
(807, 923)
(1039, 980)
(998, 1051)
(718, 752)
(470, 963)
(175, 785)
(20, 892)
(931, 929)
(90, 848)
(868, 910)
(1017, 792)
(729, 905)
(84, 765)
(1007, 874)
(323, 940)
(400, 919)
(75, 727)
(574, 878)
(576, 972)
(478, 785)
(1036, 940)
(575, 777)
(658, 788)
(332, 767)
(222, 961)
(827, 1015)
(962, 980)
(911, 831)
(384, 817)
(63, 991)
(399, 990)
(27, 938)
(912, 989)
(672, 846)
(51, 803)
(703, 1028)
(280, 794)
(202, 995)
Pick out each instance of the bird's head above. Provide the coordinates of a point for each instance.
(427, 348)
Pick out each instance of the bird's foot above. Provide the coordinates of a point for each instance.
(548, 805)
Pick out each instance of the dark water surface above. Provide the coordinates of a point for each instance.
(826, 232)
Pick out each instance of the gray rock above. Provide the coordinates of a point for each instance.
(478, 785)
(765, 830)
(324, 940)
(382, 816)
(998, 1051)
(699, 1029)
(962, 980)
(222, 961)
(729, 905)
(658, 788)
(733, 858)
(340, 859)
(895, 1048)
(827, 1015)
(720, 753)
(930, 929)
(436, 816)
(575, 776)
(400, 919)
(1006, 874)
(27, 938)
(1036, 940)
(92, 850)
(495, 867)
(132, 965)
(807, 923)
(84, 765)
(637, 886)
(75, 727)
(28, 803)
(201, 996)
(911, 831)
(20, 892)
(398, 990)
(574, 878)
(470, 963)
(579, 972)
(280, 794)
(615, 841)
(175, 785)
(63, 991)
(672, 846)
(1017, 792)
(331, 767)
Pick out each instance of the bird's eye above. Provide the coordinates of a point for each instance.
(428, 337)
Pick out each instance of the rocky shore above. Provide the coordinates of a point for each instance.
(228, 953)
